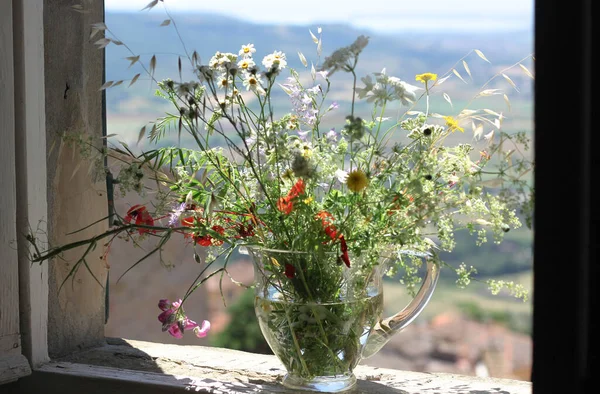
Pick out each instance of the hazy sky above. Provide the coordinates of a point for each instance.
(381, 15)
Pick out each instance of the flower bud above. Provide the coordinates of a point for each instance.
(164, 304)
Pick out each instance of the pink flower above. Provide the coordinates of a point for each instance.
(202, 331)
(176, 330)
(175, 322)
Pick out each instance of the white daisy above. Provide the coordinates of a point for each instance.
(253, 82)
(246, 64)
(224, 81)
(275, 60)
(247, 50)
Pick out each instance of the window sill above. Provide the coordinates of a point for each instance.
(126, 366)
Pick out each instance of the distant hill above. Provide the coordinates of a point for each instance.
(402, 54)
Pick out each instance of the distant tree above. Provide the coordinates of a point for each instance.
(511, 320)
(242, 332)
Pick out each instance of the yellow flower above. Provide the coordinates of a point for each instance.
(426, 77)
(306, 152)
(452, 124)
(288, 174)
(357, 181)
(308, 200)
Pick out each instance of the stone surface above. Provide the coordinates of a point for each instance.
(213, 370)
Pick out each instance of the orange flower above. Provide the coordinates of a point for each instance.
(297, 189)
(285, 205)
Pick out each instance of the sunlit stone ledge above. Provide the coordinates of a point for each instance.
(126, 366)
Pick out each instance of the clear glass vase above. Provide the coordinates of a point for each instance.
(321, 317)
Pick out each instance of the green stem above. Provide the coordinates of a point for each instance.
(296, 344)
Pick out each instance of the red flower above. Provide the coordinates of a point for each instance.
(188, 221)
(331, 231)
(205, 239)
(141, 216)
(191, 221)
(344, 248)
(245, 231)
(290, 271)
(329, 228)
(208, 240)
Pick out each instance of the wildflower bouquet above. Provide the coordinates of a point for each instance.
(324, 211)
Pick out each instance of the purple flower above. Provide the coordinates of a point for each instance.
(331, 135)
(174, 217)
(303, 134)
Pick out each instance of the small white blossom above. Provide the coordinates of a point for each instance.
(275, 60)
(362, 92)
(253, 82)
(386, 89)
(406, 93)
(331, 135)
(341, 175)
(224, 81)
(247, 50)
(221, 60)
(246, 64)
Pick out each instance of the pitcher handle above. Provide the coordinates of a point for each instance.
(386, 328)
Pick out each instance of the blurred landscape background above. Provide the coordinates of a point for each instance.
(462, 331)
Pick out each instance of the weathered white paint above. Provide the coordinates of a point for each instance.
(30, 140)
(76, 199)
(12, 363)
(9, 274)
